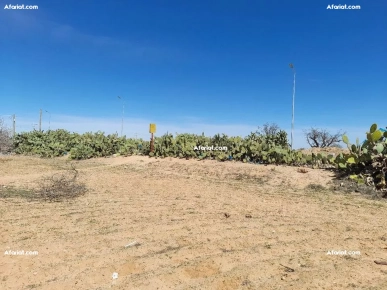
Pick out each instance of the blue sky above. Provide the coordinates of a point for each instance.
(194, 66)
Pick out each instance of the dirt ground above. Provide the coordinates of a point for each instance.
(326, 151)
(192, 225)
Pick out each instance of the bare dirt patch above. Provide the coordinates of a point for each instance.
(328, 150)
(184, 224)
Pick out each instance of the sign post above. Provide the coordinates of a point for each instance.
(152, 130)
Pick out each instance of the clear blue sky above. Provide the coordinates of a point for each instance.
(193, 66)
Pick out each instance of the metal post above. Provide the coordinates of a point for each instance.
(40, 121)
(294, 94)
(152, 143)
(14, 125)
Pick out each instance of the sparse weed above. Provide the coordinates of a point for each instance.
(61, 186)
(55, 188)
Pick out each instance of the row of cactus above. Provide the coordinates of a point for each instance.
(254, 148)
(54, 143)
(45, 144)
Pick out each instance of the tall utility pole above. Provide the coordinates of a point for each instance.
(294, 94)
(123, 111)
(40, 121)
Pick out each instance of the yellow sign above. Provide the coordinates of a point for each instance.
(152, 128)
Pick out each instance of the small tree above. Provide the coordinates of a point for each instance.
(321, 138)
(270, 129)
(271, 133)
(5, 138)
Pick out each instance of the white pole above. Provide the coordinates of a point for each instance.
(123, 113)
(40, 121)
(14, 125)
(294, 95)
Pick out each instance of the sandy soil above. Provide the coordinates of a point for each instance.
(326, 151)
(197, 224)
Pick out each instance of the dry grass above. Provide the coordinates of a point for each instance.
(61, 186)
(56, 188)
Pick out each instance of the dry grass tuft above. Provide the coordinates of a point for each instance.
(61, 186)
